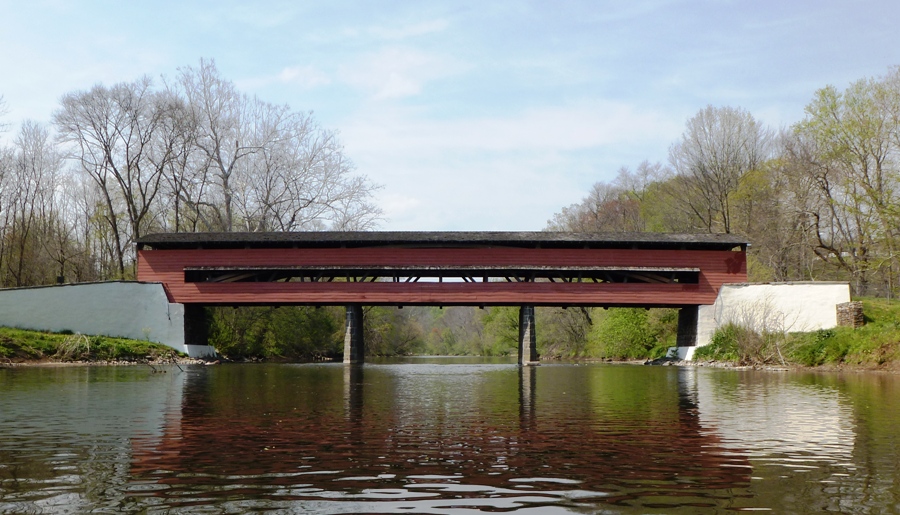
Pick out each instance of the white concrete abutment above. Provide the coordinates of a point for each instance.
(140, 311)
(763, 307)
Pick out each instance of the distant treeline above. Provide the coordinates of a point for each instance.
(819, 200)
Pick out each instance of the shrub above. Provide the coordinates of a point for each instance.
(816, 348)
(723, 345)
(624, 333)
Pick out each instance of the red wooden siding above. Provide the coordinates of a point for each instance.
(716, 268)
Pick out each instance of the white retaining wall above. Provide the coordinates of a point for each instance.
(140, 311)
(788, 307)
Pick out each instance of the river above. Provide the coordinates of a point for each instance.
(448, 436)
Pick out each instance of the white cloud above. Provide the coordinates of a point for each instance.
(257, 17)
(306, 77)
(381, 33)
(582, 125)
(398, 72)
(398, 206)
(503, 173)
(409, 31)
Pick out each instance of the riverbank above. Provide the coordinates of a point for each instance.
(23, 347)
(873, 346)
(887, 368)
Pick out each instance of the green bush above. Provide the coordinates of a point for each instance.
(289, 332)
(816, 348)
(872, 345)
(723, 345)
(624, 333)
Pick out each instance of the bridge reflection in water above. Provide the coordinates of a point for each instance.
(406, 431)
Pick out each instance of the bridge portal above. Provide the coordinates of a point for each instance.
(524, 269)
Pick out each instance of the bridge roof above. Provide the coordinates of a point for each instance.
(350, 239)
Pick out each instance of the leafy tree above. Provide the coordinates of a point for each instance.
(289, 332)
(501, 330)
(622, 333)
(846, 150)
(391, 331)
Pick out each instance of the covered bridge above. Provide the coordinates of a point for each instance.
(525, 269)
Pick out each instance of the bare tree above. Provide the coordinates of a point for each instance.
(4, 110)
(30, 194)
(719, 146)
(611, 207)
(114, 134)
(231, 128)
(267, 167)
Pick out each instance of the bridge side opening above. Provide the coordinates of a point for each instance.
(407, 274)
(196, 332)
(354, 341)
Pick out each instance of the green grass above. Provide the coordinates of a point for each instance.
(18, 345)
(875, 344)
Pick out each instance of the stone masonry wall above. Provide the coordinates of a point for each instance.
(850, 314)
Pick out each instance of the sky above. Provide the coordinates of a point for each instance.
(469, 115)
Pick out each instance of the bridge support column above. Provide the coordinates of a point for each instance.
(196, 332)
(527, 339)
(691, 331)
(354, 347)
(687, 326)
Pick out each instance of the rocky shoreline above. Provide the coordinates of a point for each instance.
(890, 367)
(45, 362)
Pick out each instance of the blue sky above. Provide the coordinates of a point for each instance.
(470, 115)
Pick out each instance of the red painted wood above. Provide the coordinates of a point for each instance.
(716, 268)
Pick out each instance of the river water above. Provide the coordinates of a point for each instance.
(446, 436)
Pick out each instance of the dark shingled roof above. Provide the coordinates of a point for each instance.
(231, 240)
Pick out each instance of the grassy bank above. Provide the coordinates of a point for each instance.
(874, 345)
(21, 346)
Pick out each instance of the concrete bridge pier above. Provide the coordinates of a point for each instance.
(687, 326)
(354, 346)
(527, 338)
(196, 330)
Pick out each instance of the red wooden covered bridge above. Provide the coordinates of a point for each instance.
(524, 269)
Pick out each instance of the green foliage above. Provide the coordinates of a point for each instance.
(562, 333)
(746, 344)
(875, 344)
(628, 333)
(501, 330)
(391, 331)
(288, 332)
(723, 345)
(817, 348)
